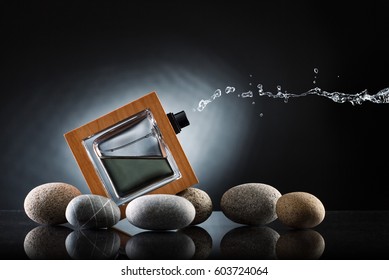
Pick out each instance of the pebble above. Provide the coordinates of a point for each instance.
(201, 202)
(157, 245)
(250, 243)
(300, 210)
(46, 204)
(92, 211)
(304, 244)
(250, 204)
(47, 243)
(160, 212)
(93, 244)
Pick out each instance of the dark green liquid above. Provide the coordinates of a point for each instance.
(129, 174)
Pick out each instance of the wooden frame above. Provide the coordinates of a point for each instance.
(150, 101)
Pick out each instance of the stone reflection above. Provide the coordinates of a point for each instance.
(91, 244)
(249, 243)
(124, 237)
(300, 244)
(47, 243)
(202, 241)
(160, 245)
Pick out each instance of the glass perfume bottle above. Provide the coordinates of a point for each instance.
(132, 158)
(132, 151)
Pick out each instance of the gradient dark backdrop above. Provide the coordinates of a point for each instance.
(64, 64)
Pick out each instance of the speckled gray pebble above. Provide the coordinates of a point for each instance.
(250, 243)
(300, 210)
(47, 243)
(251, 204)
(201, 202)
(46, 204)
(93, 244)
(92, 211)
(160, 212)
(159, 245)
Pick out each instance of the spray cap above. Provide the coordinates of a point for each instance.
(178, 121)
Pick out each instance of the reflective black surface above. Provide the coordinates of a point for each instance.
(342, 235)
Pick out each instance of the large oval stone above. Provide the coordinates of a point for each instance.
(251, 204)
(160, 212)
(92, 211)
(201, 202)
(300, 210)
(46, 204)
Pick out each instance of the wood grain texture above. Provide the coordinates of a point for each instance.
(150, 101)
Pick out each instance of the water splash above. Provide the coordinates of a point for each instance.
(381, 97)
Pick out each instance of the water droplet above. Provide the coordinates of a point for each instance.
(316, 70)
(202, 104)
(261, 115)
(247, 94)
(314, 82)
(253, 102)
(229, 89)
(250, 84)
(279, 89)
(250, 75)
(216, 94)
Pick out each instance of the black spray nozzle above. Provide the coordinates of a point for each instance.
(178, 121)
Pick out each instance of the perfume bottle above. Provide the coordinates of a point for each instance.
(132, 158)
(132, 151)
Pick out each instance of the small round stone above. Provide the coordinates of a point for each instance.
(46, 204)
(160, 212)
(300, 245)
(157, 245)
(250, 204)
(300, 210)
(201, 202)
(250, 243)
(92, 211)
(93, 244)
(47, 243)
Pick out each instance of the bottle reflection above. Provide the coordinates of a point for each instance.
(300, 244)
(202, 241)
(249, 243)
(93, 244)
(47, 242)
(160, 245)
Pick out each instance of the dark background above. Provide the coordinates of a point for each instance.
(66, 63)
